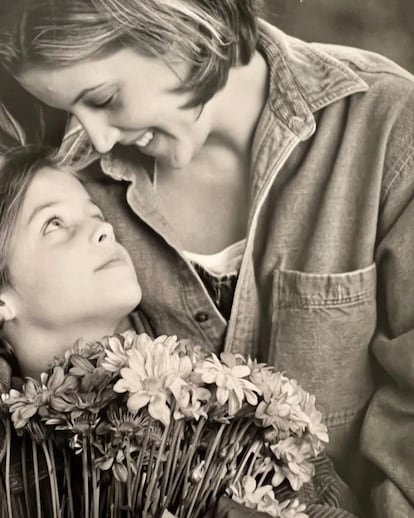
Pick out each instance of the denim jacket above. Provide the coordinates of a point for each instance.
(326, 286)
(327, 278)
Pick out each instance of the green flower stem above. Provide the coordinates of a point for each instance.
(7, 474)
(95, 489)
(118, 499)
(139, 488)
(111, 497)
(178, 453)
(129, 473)
(186, 462)
(148, 477)
(191, 452)
(216, 474)
(85, 477)
(243, 432)
(264, 475)
(51, 475)
(223, 469)
(256, 453)
(68, 478)
(116, 503)
(154, 476)
(256, 444)
(55, 481)
(236, 439)
(177, 425)
(24, 475)
(36, 477)
(211, 453)
(217, 471)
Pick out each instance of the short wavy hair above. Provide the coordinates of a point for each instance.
(211, 35)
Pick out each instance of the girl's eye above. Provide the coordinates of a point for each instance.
(53, 224)
(99, 216)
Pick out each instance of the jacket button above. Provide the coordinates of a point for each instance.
(201, 317)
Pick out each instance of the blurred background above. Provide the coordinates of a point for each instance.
(384, 26)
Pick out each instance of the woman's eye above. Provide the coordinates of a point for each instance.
(98, 103)
(53, 224)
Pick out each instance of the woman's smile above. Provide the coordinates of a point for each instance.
(147, 110)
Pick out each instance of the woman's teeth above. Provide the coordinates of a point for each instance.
(145, 139)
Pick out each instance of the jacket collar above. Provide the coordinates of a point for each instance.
(303, 79)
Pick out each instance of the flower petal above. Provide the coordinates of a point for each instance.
(137, 401)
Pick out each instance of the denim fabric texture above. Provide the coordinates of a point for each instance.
(326, 286)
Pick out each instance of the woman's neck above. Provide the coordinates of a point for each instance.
(206, 202)
(238, 106)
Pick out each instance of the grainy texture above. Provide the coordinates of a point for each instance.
(383, 26)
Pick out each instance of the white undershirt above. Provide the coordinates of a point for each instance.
(225, 262)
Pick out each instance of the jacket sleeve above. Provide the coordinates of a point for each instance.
(388, 431)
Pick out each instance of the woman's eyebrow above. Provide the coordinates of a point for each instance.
(86, 91)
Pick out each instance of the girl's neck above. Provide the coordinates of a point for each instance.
(49, 344)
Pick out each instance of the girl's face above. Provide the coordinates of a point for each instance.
(126, 98)
(67, 270)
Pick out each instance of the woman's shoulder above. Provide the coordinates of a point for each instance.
(364, 62)
(327, 73)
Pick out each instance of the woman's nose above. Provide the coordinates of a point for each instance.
(102, 135)
(103, 232)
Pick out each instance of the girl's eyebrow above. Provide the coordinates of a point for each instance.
(39, 209)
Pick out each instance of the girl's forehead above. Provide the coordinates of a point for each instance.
(51, 185)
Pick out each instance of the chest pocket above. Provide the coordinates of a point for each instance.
(322, 325)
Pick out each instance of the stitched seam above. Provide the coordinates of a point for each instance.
(398, 173)
(301, 302)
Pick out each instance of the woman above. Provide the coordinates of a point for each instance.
(235, 153)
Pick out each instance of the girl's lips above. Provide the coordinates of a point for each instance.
(111, 261)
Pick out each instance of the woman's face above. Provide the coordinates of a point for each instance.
(67, 270)
(126, 98)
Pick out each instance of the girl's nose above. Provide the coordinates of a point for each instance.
(103, 232)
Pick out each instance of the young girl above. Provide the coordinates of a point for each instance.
(63, 275)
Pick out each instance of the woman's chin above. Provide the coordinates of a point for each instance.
(169, 152)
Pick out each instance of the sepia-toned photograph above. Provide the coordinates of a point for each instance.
(206, 259)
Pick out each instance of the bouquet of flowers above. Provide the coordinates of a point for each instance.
(132, 426)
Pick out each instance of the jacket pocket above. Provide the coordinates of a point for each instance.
(322, 325)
